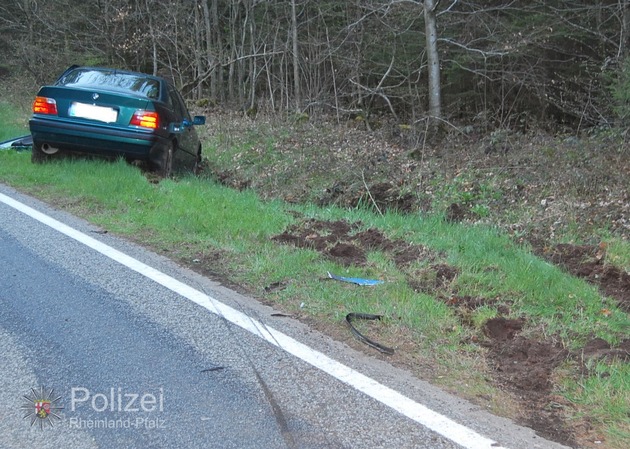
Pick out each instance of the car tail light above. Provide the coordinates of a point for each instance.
(43, 105)
(145, 119)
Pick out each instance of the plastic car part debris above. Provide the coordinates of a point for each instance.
(17, 143)
(367, 316)
(358, 281)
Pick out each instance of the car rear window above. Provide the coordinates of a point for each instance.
(111, 80)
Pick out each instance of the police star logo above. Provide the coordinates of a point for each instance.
(41, 407)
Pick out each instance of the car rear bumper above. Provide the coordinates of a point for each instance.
(102, 140)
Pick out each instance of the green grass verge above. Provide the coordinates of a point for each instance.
(195, 220)
(13, 122)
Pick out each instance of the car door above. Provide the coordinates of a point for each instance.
(188, 141)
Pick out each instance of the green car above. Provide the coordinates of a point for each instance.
(115, 113)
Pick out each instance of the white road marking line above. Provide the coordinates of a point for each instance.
(462, 435)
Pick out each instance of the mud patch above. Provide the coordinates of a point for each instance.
(345, 244)
(520, 366)
(599, 349)
(524, 368)
(434, 280)
(502, 329)
(588, 262)
(385, 196)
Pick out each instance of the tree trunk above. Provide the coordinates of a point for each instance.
(217, 80)
(209, 59)
(296, 59)
(154, 53)
(624, 40)
(435, 96)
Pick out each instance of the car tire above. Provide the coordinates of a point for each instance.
(197, 167)
(166, 162)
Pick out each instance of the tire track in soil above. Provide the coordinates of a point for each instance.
(519, 365)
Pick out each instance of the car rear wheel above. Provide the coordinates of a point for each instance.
(166, 163)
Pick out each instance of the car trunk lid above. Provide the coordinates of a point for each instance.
(99, 108)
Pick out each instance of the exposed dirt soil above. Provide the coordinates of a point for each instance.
(519, 365)
(535, 187)
(588, 262)
(529, 184)
(346, 245)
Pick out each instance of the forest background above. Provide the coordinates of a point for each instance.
(513, 64)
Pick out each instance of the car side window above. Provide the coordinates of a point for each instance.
(179, 105)
(173, 102)
(168, 101)
(152, 89)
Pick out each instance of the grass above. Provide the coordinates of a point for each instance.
(13, 122)
(195, 219)
(602, 398)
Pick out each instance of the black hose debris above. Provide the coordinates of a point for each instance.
(367, 316)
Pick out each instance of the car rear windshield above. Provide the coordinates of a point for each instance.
(111, 80)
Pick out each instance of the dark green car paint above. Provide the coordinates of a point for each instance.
(125, 93)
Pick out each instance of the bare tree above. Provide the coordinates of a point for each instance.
(433, 59)
(498, 62)
(296, 57)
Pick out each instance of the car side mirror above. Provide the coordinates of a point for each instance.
(199, 120)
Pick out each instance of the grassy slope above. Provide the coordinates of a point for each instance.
(197, 221)
(12, 122)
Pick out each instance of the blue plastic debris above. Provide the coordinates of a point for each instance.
(358, 281)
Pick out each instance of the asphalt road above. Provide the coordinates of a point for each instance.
(142, 353)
